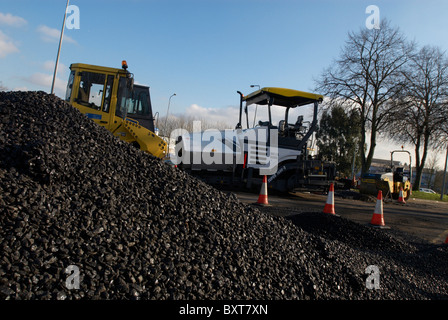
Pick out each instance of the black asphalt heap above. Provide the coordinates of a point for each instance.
(135, 228)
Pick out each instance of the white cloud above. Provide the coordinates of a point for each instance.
(228, 115)
(49, 66)
(141, 84)
(23, 88)
(6, 45)
(10, 20)
(44, 81)
(48, 34)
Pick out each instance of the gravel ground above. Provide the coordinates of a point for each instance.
(73, 195)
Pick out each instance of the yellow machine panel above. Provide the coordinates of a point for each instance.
(109, 97)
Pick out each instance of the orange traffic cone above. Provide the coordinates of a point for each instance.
(377, 218)
(263, 197)
(329, 205)
(400, 196)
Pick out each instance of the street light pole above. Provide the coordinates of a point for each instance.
(59, 49)
(256, 106)
(444, 175)
(156, 125)
(167, 111)
(166, 119)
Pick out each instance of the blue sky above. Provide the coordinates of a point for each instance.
(202, 50)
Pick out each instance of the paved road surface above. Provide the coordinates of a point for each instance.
(427, 220)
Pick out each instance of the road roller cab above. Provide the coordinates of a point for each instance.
(109, 97)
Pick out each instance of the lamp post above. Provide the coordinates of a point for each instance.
(444, 175)
(166, 119)
(256, 106)
(167, 111)
(156, 124)
(59, 49)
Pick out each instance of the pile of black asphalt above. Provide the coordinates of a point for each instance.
(84, 215)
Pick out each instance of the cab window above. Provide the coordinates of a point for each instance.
(68, 92)
(122, 98)
(140, 103)
(91, 89)
(108, 93)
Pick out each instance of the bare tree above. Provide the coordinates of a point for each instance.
(432, 168)
(366, 77)
(422, 115)
(186, 122)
